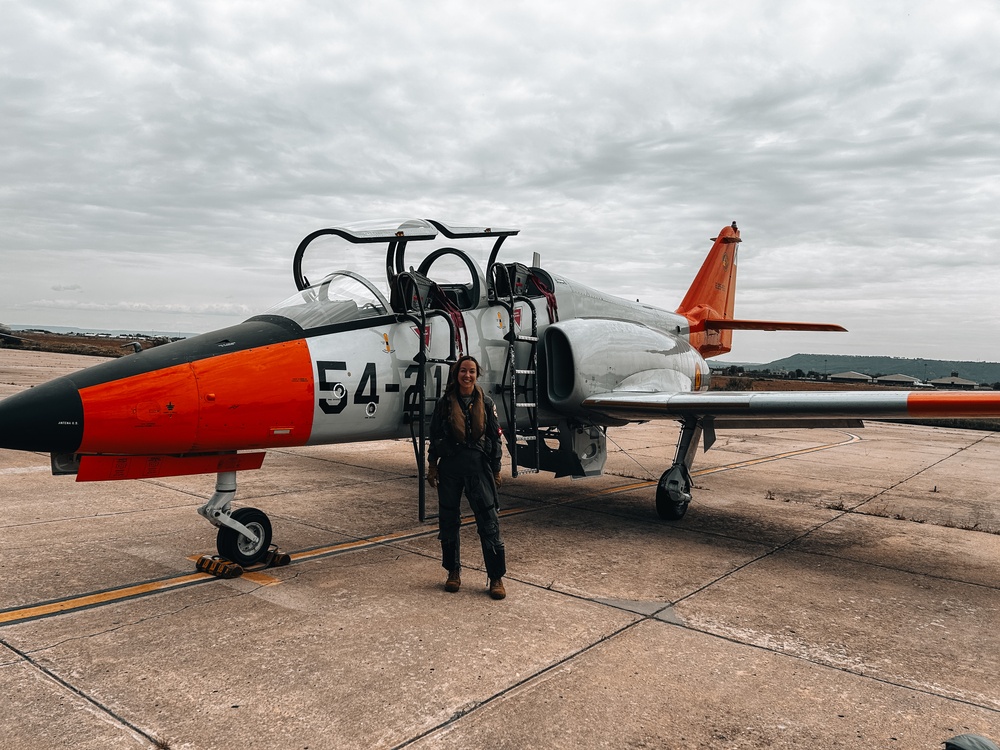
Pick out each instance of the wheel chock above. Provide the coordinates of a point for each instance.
(275, 558)
(218, 567)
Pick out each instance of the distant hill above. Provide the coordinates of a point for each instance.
(93, 345)
(924, 369)
(137, 333)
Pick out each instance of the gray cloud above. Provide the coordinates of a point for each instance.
(166, 159)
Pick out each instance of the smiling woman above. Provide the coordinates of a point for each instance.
(464, 458)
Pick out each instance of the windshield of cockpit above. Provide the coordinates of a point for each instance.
(340, 297)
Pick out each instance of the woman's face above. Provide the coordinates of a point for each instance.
(467, 372)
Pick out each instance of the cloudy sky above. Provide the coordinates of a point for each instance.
(161, 160)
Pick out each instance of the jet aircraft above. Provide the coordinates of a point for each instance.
(343, 360)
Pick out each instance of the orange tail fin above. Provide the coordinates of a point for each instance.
(712, 295)
(709, 302)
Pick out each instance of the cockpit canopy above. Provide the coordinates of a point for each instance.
(340, 297)
(446, 279)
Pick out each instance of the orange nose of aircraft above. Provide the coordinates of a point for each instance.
(246, 387)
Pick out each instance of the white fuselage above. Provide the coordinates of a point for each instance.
(364, 377)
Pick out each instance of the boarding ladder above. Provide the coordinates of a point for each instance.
(518, 386)
(417, 299)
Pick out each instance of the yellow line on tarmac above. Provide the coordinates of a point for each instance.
(85, 601)
(852, 438)
(776, 457)
(48, 609)
(371, 541)
(260, 578)
(98, 598)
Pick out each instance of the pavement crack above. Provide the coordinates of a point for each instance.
(476, 706)
(813, 529)
(133, 623)
(917, 473)
(103, 710)
(844, 670)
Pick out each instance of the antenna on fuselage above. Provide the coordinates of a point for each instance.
(536, 260)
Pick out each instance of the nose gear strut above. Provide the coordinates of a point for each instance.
(244, 534)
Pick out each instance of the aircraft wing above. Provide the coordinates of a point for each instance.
(771, 406)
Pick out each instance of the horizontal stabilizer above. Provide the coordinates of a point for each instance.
(765, 406)
(719, 324)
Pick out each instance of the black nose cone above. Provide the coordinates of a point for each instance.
(47, 418)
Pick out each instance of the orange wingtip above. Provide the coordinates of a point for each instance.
(954, 404)
(721, 324)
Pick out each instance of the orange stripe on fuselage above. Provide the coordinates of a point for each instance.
(953, 404)
(255, 398)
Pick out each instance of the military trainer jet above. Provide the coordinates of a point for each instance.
(344, 361)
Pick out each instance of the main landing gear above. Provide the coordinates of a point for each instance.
(245, 533)
(673, 491)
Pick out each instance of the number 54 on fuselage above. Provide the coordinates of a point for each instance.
(341, 361)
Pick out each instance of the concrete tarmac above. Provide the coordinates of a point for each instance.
(827, 589)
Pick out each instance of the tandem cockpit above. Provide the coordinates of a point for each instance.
(447, 281)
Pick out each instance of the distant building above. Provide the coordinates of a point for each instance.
(850, 377)
(953, 383)
(900, 381)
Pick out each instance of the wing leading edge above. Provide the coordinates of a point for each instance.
(768, 406)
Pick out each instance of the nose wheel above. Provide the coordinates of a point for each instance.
(233, 545)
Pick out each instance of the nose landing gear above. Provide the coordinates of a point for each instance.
(244, 535)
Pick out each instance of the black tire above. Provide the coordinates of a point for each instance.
(237, 548)
(666, 508)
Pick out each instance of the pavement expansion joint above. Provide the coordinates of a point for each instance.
(645, 608)
(52, 608)
(103, 711)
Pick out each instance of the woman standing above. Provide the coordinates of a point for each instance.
(464, 456)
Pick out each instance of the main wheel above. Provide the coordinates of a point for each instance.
(233, 546)
(667, 507)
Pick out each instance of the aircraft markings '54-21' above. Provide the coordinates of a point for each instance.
(341, 361)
